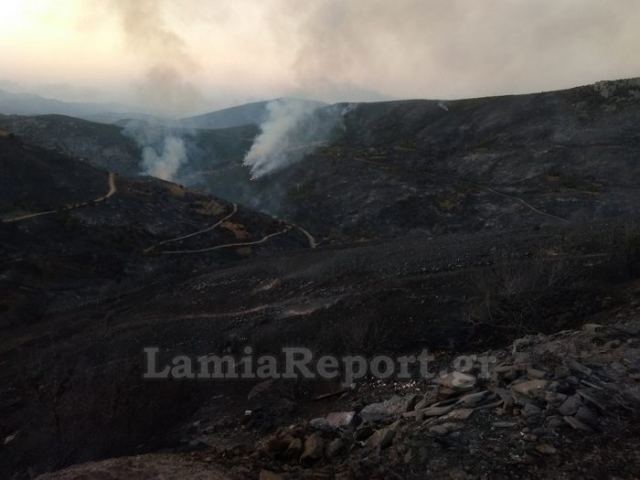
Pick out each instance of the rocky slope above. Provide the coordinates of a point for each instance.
(562, 406)
(118, 147)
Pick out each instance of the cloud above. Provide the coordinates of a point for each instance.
(457, 48)
(332, 50)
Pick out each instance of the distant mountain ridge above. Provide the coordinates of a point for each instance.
(29, 104)
(253, 113)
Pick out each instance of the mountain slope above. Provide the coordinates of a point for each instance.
(247, 114)
(29, 104)
(118, 147)
(463, 166)
(467, 248)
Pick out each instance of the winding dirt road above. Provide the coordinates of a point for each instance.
(313, 243)
(111, 181)
(227, 245)
(469, 182)
(199, 232)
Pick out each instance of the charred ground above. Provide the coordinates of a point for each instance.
(455, 226)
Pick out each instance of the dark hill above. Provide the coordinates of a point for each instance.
(114, 146)
(247, 114)
(463, 166)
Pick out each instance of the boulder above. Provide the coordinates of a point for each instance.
(294, 449)
(384, 437)
(531, 388)
(456, 381)
(391, 408)
(313, 449)
(445, 428)
(570, 405)
(269, 475)
(473, 399)
(335, 447)
(459, 414)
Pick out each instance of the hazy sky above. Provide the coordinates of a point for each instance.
(189, 55)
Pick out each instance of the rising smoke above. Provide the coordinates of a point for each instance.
(164, 149)
(166, 164)
(293, 128)
(165, 87)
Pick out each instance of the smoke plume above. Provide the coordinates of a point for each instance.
(166, 164)
(165, 87)
(164, 149)
(293, 129)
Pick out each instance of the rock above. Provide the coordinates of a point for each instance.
(313, 449)
(320, 423)
(459, 414)
(592, 328)
(393, 407)
(577, 424)
(341, 419)
(534, 373)
(573, 380)
(456, 381)
(384, 437)
(269, 475)
(560, 371)
(275, 446)
(505, 396)
(612, 344)
(555, 421)
(335, 447)
(436, 411)
(9, 438)
(473, 399)
(554, 399)
(410, 402)
(504, 424)
(570, 405)
(260, 388)
(546, 449)
(294, 449)
(530, 410)
(542, 432)
(591, 400)
(458, 474)
(531, 388)
(586, 415)
(445, 428)
(507, 372)
(362, 433)
(578, 367)
(422, 404)
(333, 421)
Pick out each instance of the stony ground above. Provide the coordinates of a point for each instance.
(562, 406)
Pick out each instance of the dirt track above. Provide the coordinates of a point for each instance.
(112, 191)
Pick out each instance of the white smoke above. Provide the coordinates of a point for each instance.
(293, 129)
(166, 163)
(164, 149)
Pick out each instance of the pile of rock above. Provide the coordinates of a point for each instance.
(537, 393)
